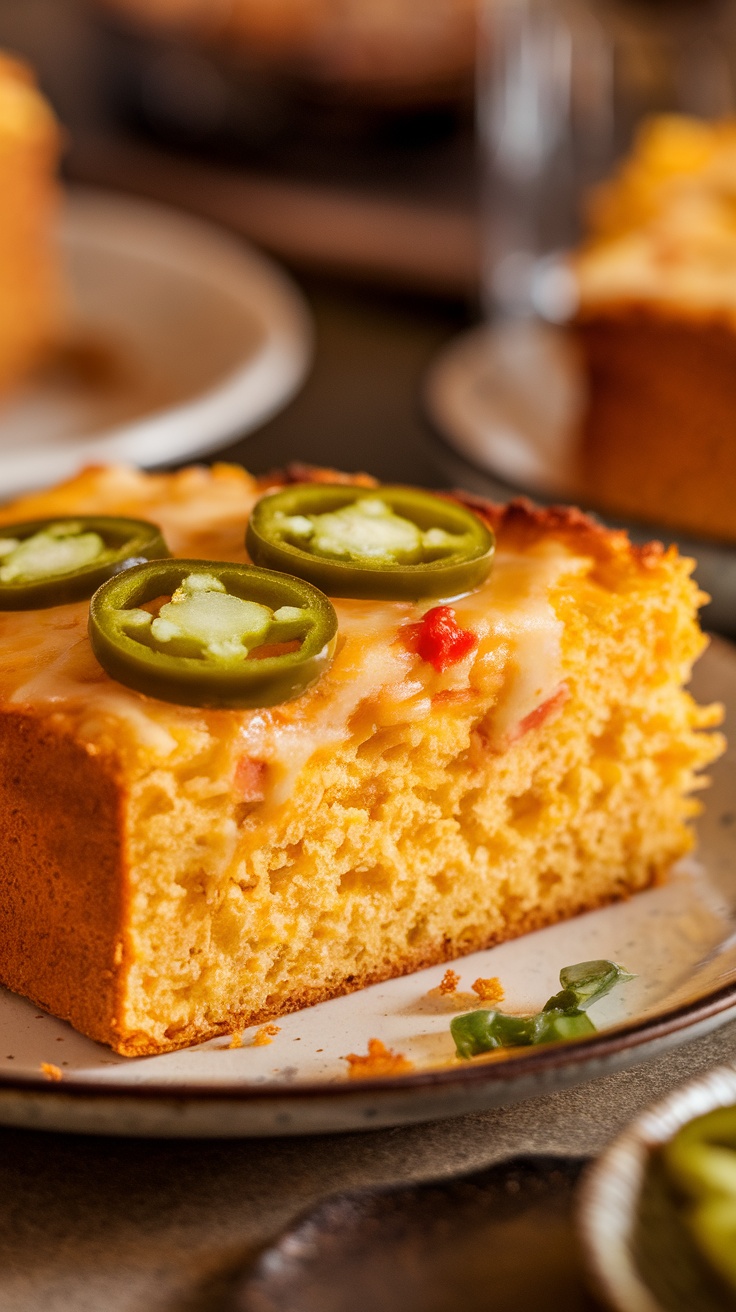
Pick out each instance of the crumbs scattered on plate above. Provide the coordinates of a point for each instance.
(264, 1035)
(51, 1072)
(449, 982)
(378, 1061)
(483, 990)
(489, 990)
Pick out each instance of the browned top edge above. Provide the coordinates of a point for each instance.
(518, 525)
(520, 522)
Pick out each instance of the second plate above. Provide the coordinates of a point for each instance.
(180, 339)
(507, 402)
(679, 940)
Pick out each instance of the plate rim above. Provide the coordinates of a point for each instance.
(446, 405)
(713, 1009)
(581, 1052)
(524, 1070)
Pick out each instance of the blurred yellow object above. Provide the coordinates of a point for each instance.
(674, 159)
(30, 285)
(657, 326)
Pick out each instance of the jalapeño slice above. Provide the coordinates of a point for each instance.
(47, 562)
(224, 635)
(387, 543)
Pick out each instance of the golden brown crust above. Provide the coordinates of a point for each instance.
(297, 472)
(61, 909)
(518, 523)
(521, 523)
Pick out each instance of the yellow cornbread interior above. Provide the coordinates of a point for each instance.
(412, 842)
(391, 816)
(29, 277)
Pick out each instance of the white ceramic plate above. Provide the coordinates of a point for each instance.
(609, 1201)
(679, 939)
(508, 401)
(181, 339)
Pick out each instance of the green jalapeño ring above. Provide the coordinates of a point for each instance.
(48, 562)
(208, 633)
(386, 543)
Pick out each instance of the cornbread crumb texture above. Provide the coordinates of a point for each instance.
(264, 1035)
(657, 328)
(482, 992)
(30, 290)
(489, 990)
(449, 982)
(379, 1061)
(51, 1072)
(401, 817)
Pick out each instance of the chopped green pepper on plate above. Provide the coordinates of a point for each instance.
(563, 1017)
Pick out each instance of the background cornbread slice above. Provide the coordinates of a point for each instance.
(30, 284)
(169, 873)
(657, 328)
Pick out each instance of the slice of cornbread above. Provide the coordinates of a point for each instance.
(30, 286)
(170, 873)
(657, 327)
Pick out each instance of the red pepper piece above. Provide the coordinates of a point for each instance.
(250, 779)
(440, 640)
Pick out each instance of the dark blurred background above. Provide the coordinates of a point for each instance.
(365, 187)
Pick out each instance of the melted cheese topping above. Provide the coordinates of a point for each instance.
(47, 664)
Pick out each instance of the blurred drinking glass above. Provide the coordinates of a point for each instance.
(563, 85)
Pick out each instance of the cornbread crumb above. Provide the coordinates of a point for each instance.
(449, 982)
(51, 1072)
(489, 990)
(379, 1061)
(265, 1035)
(236, 1041)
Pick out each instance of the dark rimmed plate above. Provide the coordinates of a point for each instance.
(679, 939)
